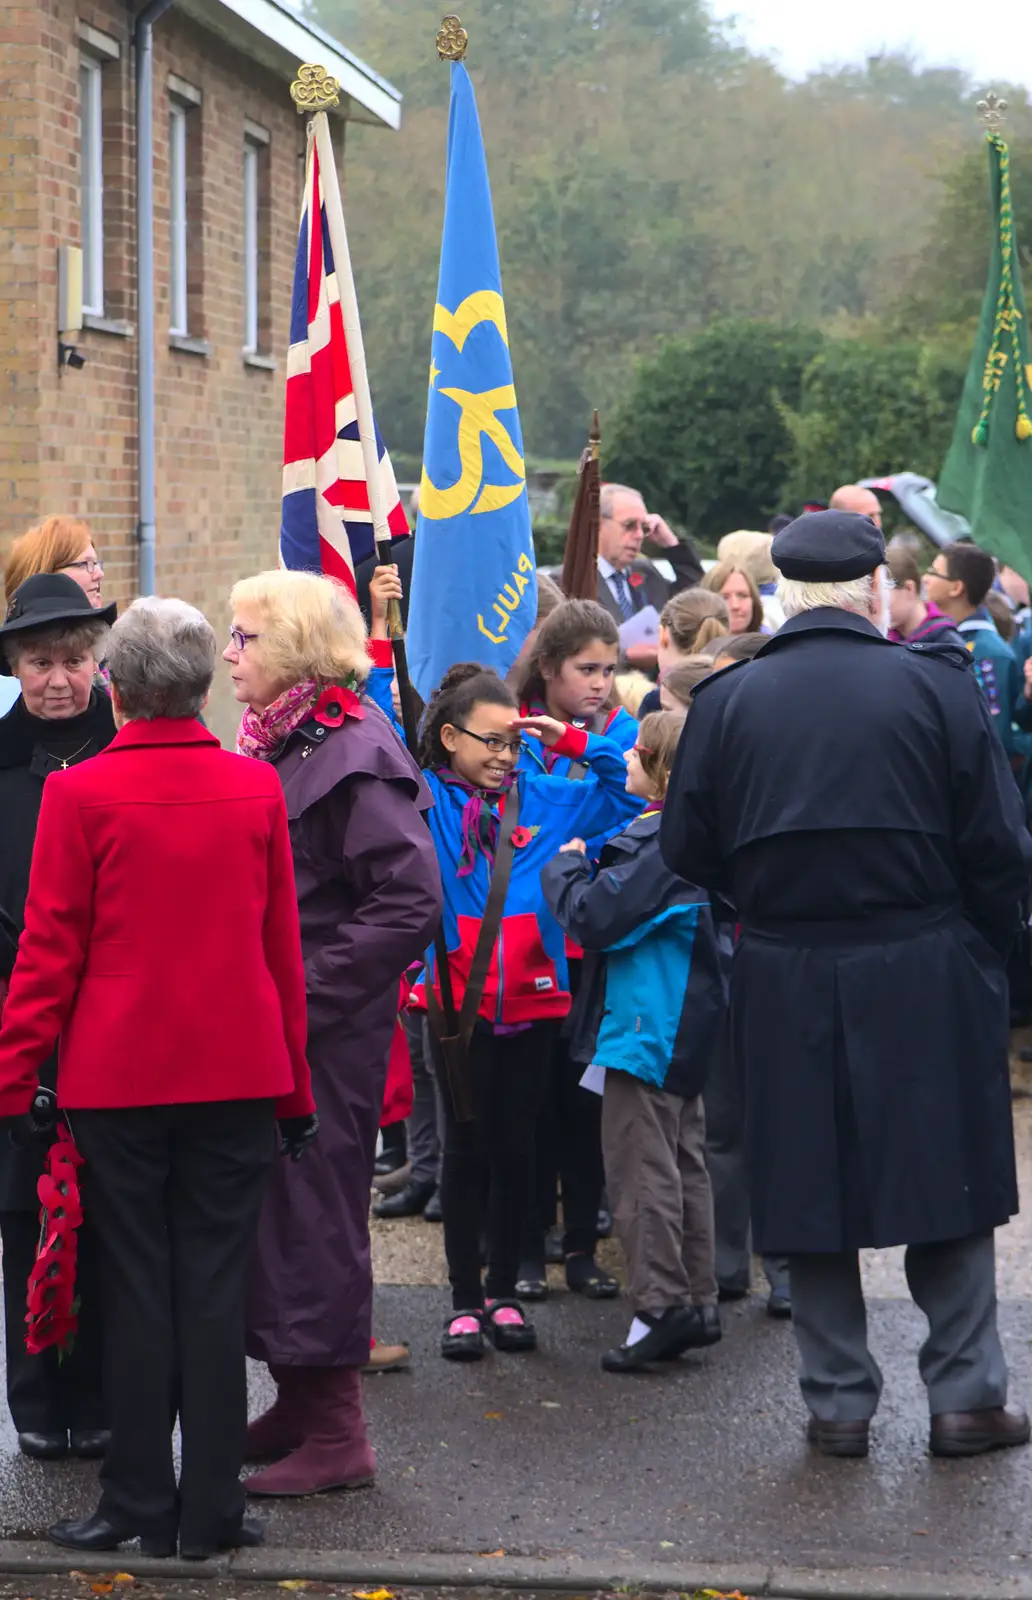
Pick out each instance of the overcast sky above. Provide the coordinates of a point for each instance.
(991, 41)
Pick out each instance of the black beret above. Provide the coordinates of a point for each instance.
(828, 547)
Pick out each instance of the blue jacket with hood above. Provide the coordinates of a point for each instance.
(653, 996)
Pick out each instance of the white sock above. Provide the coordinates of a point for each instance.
(638, 1330)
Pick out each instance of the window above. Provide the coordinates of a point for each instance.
(91, 179)
(177, 218)
(252, 156)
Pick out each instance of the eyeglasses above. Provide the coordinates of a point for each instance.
(238, 638)
(90, 564)
(496, 746)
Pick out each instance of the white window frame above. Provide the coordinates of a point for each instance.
(91, 183)
(179, 320)
(252, 157)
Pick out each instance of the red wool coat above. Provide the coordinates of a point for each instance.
(161, 940)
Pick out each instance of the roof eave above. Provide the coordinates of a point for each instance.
(271, 32)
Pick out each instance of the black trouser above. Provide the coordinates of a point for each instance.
(175, 1193)
(49, 1393)
(725, 1158)
(568, 1147)
(491, 1160)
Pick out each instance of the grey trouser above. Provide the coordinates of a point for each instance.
(725, 1158)
(653, 1145)
(426, 1123)
(961, 1361)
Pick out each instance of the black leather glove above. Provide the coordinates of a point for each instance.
(296, 1134)
(36, 1127)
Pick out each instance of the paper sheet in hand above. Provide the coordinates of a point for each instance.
(642, 628)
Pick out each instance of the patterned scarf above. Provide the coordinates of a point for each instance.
(262, 732)
(479, 822)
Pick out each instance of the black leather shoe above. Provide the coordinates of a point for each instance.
(90, 1444)
(432, 1210)
(250, 1533)
(705, 1329)
(408, 1202)
(43, 1446)
(666, 1338)
(97, 1533)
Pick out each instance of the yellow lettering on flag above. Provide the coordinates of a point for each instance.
(477, 419)
(486, 305)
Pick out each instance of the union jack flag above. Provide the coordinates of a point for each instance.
(326, 523)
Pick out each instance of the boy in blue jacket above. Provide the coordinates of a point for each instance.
(650, 1009)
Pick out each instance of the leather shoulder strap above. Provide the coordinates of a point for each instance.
(491, 921)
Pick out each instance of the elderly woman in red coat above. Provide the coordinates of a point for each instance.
(161, 946)
(369, 896)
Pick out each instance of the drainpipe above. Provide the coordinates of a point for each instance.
(143, 38)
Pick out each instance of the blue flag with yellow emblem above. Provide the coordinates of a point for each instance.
(474, 595)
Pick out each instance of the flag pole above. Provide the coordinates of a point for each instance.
(315, 92)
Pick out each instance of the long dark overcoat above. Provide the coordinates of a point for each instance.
(369, 896)
(850, 797)
(30, 749)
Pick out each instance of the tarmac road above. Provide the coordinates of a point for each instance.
(545, 1465)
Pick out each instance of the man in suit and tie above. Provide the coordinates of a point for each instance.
(628, 581)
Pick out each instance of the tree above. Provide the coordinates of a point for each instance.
(867, 410)
(702, 435)
(648, 178)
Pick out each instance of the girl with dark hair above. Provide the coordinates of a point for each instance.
(569, 673)
(493, 816)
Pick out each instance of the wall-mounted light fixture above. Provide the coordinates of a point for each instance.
(69, 306)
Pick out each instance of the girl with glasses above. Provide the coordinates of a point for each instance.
(471, 753)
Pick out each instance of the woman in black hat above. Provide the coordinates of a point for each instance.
(51, 641)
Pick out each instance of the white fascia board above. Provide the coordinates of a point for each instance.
(305, 42)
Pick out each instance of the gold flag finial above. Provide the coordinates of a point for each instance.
(991, 112)
(314, 90)
(452, 40)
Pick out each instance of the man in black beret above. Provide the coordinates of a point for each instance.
(849, 797)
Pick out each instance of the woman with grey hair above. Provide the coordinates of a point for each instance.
(51, 642)
(161, 944)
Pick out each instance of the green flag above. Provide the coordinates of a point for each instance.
(987, 476)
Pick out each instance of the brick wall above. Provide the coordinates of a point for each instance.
(68, 439)
(20, 46)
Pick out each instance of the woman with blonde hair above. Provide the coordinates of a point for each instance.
(369, 897)
(689, 620)
(737, 588)
(57, 544)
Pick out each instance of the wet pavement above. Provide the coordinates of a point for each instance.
(703, 1464)
(547, 1456)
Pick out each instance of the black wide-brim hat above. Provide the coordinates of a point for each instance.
(828, 547)
(46, 600)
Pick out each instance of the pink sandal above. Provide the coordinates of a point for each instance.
(507, 1325)
(463, 1336)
